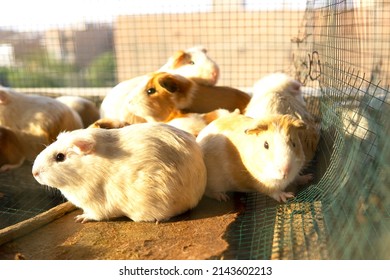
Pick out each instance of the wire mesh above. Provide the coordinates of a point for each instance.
(339, 50)
(340, 54)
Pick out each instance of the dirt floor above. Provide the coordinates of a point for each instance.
(197, 234)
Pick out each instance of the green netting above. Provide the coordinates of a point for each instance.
(344, 214)
(21, 197)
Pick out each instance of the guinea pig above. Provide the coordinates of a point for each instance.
(37, 119)
(246, 155)
(193, 63)
(87, 110)
(11, 150)
(162, 97)
(159, 97)
(280, 94)
(146, 172)
(278, 83)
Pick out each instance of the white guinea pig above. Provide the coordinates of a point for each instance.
(245, 155)
(280, 94)
(36, 119)
(277, 83)
(11, 150)
(193, 63)
(87, 110)
(147, 172)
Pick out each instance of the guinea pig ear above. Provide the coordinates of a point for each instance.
(3, 97)
(299, 124)
(169, 83)
(83, 146)
(260, 127)
(180, 58)
(289, 121)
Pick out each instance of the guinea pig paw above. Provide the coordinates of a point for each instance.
(282, 196)
(82, 219)
(220, 196)
(5, 168)
(223, 197)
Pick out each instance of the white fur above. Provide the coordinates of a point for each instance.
(147, 172)
(274, 86)
(112, 103)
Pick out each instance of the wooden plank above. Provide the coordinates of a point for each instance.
(299, 232)
(12, 232)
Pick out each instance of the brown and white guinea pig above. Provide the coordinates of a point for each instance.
(37, 119)
(193, 63)
(87, 110)
(11, 150)
(113, 101)
(246, 155)
(278, 93)
(161, 97)
(147, 172)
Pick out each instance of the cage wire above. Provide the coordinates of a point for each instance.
(339, 50)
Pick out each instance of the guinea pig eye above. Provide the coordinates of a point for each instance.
(266, 145)
(192, 63)
(60, 157)
(151, 91)
(292, 143)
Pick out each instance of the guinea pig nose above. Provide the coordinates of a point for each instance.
(35, 173)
